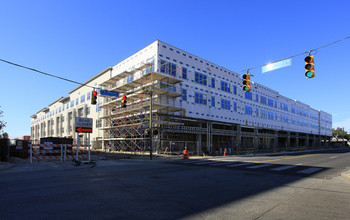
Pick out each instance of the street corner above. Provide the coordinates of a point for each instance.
(346, 175)
(6, 166)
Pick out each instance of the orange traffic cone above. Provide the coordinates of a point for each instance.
(225, 152)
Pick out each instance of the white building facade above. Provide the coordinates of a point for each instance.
(204, 103)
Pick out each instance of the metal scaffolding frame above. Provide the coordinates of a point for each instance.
(127, 129)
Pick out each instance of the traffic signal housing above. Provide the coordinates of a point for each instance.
(124, 101)
(155, 132)
(93, 97)
(309, 67)
(246, 82)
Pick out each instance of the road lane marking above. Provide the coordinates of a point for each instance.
(206, 162)
(288, 158)
(218, 164)
(238, 165)
(310, 170)
(259, 166)
(299, 164)
(283, 168)
(333, 157)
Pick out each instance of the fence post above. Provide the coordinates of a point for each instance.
(65, 152)
(61, 153)
(31, 154)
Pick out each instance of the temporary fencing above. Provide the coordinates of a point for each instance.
(57, 151)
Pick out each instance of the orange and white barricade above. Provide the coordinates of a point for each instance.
(56, 152)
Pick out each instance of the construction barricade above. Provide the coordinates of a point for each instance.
(57, 152)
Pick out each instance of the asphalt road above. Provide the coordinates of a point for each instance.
(130, 189)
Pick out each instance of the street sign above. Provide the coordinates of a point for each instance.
(276, 65)
(83, 130)
(83, 125)
(109, 93)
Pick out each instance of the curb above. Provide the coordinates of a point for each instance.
(346, 175)
(9, 166)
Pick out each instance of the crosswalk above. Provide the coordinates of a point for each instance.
(297, 169)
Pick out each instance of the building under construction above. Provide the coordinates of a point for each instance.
(170, 99)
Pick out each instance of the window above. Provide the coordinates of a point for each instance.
(257, 98)
(200, 78)
(72, 104)
(248, 110)
(235, 106)
(98, 108)
(235, 90)
(270, 115)
(257, 112)
(88, 95)
(184, 72)
(213, 101)
(184, 96)
(82, 99)
(263, 114)
(248, 95)
(225, 104)
(263, 100)
(200, 98)
(213, 82)
(270, 102)
(76, 101)
(225, 86)
(130, 78)
(167, 67)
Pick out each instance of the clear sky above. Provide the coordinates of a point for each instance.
(77, 39)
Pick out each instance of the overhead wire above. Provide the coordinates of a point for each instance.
(247, 69)
(47, 74)
(299, 54)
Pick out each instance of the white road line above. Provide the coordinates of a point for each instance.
(333, 157)
(218, 164)
(310, 170)
(238, 165)
(259, 166)
(283, 168)
(189, 161)
(206, 162)
(298, 164)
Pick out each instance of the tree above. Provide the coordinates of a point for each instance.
(2, 123)
(338, 133)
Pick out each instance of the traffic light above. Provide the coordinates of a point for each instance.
(309, 67)
(155, 132)
(93, 97)
(246, 82)
(124, 98)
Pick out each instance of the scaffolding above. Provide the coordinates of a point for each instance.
(128, 129)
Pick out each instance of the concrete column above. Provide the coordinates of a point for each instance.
(256, 139)
(239, 138)
(275, 142)
(288, 139)
(297, 139)
(199, 144)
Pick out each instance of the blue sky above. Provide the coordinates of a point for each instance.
(78, 39)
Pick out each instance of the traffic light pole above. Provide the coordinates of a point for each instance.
(150, 123)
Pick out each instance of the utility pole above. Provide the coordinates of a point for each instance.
(150, 122)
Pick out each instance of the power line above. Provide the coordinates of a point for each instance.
(83, 84)
(47, 74)
(299, 54)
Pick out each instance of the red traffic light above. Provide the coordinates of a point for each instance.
(94, 93)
